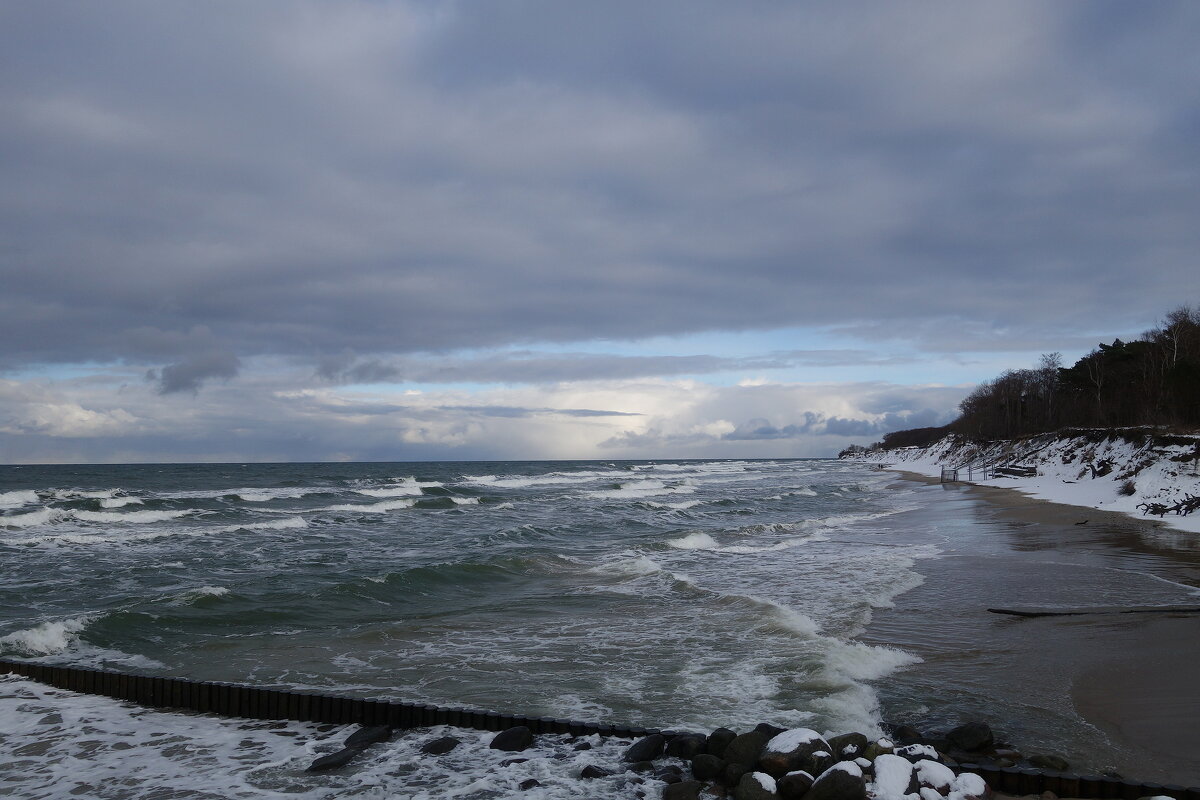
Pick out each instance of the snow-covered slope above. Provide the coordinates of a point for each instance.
(1096, 468)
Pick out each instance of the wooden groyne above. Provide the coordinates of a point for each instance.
(254, 702)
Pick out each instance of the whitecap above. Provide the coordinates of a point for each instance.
(694, 541)
(16, 499)
(39, 517)
(373, 508)
(132, 517)
(119, 502)
(48, 638)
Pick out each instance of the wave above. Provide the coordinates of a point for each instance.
(641, 488)
(18, 498)
(683, 506)
(272, 525)
(200, 593)
(40, 517)
(694, 541)
(548, 479)
(373, 508)
(120, 502)
(132, 517)
(48, 638)
(629, 567)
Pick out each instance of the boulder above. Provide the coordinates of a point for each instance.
(508, 762)
(972, 737)
(794, 785)
(369, 735)
(875, 749)
(334, 760)
(684, 790)
(646, 749)
(718, 740)
(849, 745)
(933, 775)
(755, 786)
(969, 786)
(706, 767)
(687, 745)
(894, 776)
(513, 740)
(641, 766)
(842, 781)
(746, 748)
(592, 771)
(794, 750)
(526, 785)
(917, 752)
(1057, 763)
(770, 730)
(906, 734)
(732, 774)
(439, 746)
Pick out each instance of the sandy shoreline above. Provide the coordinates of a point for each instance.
(1133, 677)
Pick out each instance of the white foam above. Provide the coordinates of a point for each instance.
(129, 517)
(16, 499)
(633, 567)
(694, 541)
(465, 501)
(686, 504)
(120, 502)
(31, 519)
(54, 636)
(391, 491)
(284, 524)
(192, 595)
(641, 488)
(373, 508)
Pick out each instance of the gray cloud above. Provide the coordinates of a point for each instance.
(389, 178)
(189, 375)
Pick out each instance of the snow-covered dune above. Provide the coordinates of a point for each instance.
(1122, 469)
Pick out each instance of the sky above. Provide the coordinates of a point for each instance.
(404, 231)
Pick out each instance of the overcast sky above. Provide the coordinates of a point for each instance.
(450, 230)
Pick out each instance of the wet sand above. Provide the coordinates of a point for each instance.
(1132, 679)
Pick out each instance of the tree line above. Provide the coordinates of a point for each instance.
(1151, 381)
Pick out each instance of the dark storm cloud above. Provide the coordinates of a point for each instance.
(530, 367)
(190, 375)
(816, 423)
(317, 178)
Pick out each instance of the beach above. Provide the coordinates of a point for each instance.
(1129, 678)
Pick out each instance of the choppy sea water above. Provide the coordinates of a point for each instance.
(685, 595)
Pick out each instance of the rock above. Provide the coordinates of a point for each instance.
(513, 740)
(793, 750)
(849, 745)
(439, 746)
(584, 746)
(746, 748)
(907, 734)
(641, 766)
(934, 775)
(718, 740)
(894, 776)
(794, 785)
(334, 760)
(526, 785)
(969, 786)
(508, 762)
(875, 749)
(714, 791)
(732, 774)
(366, 736)
(842, 781)
(684, 790)
(972, 737)
(646, 749)
(592, 771)
(687, 745)
(770, 730)
(706, 767)
(1056, 763)
(669, 777)
(755, 786)
(917, 752)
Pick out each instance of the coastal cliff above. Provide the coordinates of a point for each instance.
(1136, 471)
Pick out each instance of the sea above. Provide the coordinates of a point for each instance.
(675, 594)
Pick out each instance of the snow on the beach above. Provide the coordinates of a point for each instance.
(1161, 469)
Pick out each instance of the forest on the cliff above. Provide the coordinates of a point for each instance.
(1151, 381)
